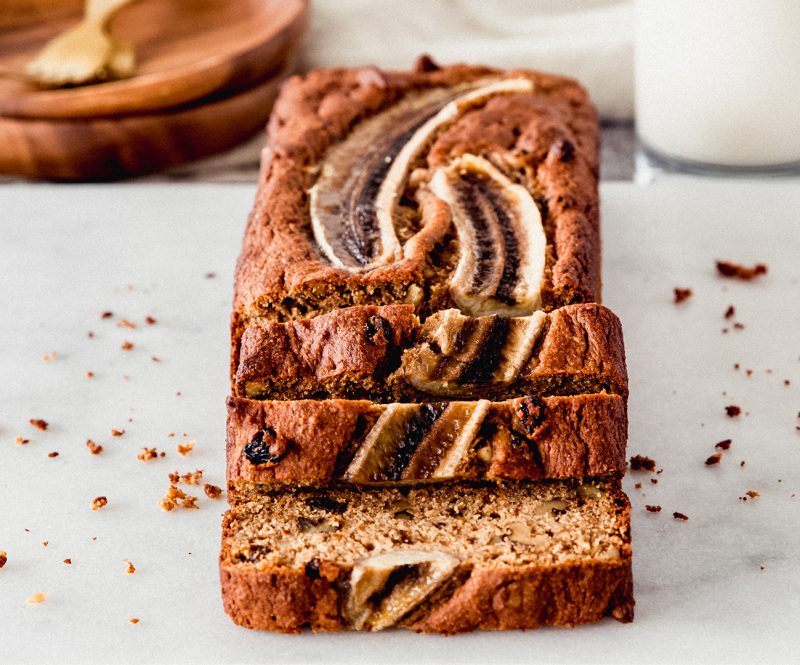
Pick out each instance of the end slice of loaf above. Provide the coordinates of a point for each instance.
(443, 560)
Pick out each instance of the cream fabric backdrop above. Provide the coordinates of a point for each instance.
(591, 40)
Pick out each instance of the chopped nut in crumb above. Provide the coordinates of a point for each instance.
(117, 432)
(38, 423)
(653, 509)
(642, 463)
(212, 491)
(3, 558)
(682, 294)
(127, 346)
(734, 270)
(36, 598)
(130, 570)
(185, 448)
(176, 497)
(21, 440)
(680, 516)
(147, 454)
(94, 448)
(99, 502)
(716, 458)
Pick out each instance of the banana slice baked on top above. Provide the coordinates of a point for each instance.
(429, 411)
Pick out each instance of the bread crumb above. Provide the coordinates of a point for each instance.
(21, 440)
(127, 346)
(36, 598)
(130, 570)
(212, 491)
(737, 271)
(185, 448)
(150, 320)
(124, 323)
(732, 410)
(50, 357)
(147, 454)
(680, 516)
(53, 454)
(116, 432)
(190, 478)
(38, 423)
(133, 620)
(99, 502)
(725, 444)
(653, 509)
(3, 558)
(68, 562)
(682, 294)
(714, 459)
(642, 463)
(94, 448)
(176, 497)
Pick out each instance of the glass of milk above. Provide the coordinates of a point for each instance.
(718, 85)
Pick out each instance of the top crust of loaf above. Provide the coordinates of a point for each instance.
(280, 273)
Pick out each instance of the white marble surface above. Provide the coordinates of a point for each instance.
(723, 587)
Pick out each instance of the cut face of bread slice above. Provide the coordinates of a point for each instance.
(445, 559)
(355, 441)
(386, 354)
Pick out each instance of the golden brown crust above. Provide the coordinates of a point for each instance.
(552, 437)
(356, 353)
(280, 272)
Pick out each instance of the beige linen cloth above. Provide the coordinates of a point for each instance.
(591, 40)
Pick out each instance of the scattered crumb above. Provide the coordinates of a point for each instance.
(737, 271)
(53, 454)
(68, 562)
(89, 375)
(682, 294)
(741, 463)
(106, 315)
(749, 372)
(725, 444)
(735, 365)
(36, 598)
(176, 497)
(716, 458)
(21, 440)
(732, 411)
(50, 357)
(90, 334)
(130, 570)
(642, 463)
(3, 558)
(654, 481)
(124, 323)
(752, 494)
(171, 434)
(738, 326)
(638, 486)
(730, 312)
(185, 448)
(211, 275)
(147, 454)
(786, 382)
(45, 543)
(94, 448)
(150, 320)
(127, 346)
(653, 509)
(133, 620)
(680, 516)
(762, 567)
(99, 502)
(190, 478)
(38, 423)
(212, 491)
(155, 359)
(116, 432)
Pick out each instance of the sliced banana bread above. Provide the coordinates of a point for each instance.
(440, 559)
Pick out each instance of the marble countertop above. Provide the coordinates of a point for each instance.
(722, 587)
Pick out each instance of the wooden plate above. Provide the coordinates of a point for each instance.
(112, 148)
(185, 49)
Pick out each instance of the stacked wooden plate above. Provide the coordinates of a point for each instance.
(207, 74)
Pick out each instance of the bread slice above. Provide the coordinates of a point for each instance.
(442, 559)
(332, 441)
(385, 354)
